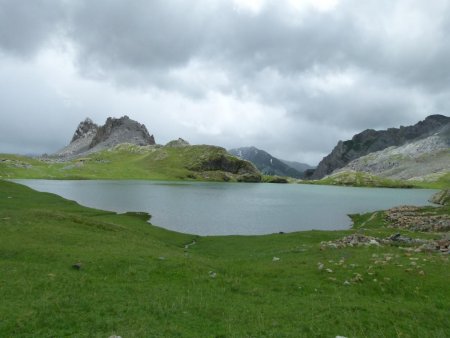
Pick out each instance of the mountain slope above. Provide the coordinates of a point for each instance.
(370, 141)
(265, 162)
(424, 159)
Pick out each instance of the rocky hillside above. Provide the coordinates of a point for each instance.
(266, 163)
(89, 137)
(370, 141)
(423, 159)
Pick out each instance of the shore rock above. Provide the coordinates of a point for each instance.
(407, 243)
(442, 197)
(415, 219)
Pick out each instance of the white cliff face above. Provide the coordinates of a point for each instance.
(428, 157)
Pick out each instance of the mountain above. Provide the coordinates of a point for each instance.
(124, 149)
(89, 137)
(370, 141)
(265, 162)
(423, 159)
(300, 167)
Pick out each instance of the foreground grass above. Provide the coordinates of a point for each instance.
(139, 280)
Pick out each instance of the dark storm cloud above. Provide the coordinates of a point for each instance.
(141, 38)
(361, 64)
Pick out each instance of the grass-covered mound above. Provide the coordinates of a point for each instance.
(138, 280)
(126, 161)
(361, 179)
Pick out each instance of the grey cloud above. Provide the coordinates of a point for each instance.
(25, 26)
(398, 52)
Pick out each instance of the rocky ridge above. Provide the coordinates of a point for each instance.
(89, 137)
(370, 141)
(412, 161)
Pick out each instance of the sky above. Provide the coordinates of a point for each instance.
(292, 77)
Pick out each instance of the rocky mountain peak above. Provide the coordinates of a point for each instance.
(122, 130)
(89, 137)
(84, 129)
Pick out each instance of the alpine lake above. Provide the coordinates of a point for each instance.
(210, 209)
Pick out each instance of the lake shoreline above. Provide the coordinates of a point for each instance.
(211, 208)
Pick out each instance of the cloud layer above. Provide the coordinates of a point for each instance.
(289, 76)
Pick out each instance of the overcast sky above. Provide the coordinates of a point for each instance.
(288, 76)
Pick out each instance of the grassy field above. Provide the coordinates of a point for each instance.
(128, 161)
(138, 280)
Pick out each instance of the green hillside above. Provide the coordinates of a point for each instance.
(138, 280)
(126, 161)
(362, 179)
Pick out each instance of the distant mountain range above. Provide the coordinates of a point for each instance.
(123, 148)
(268, 164)
(409, 153)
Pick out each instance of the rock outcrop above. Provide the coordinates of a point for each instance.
(81, 140)
(370, 141)
(442, 197)
(177, 143)
(123, 130)
(415, 219)
(266, 163)
(89, 137)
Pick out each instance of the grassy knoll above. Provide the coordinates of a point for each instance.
(438, 183)
(126, 161)
(138, 280)
(361, 179)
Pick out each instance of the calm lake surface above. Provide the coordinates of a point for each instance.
(233, 208)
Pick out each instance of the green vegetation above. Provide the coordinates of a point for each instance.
(276, 179)
(138, 280)
(126, 161)
(440, 182)
(361, 179)
(442, 197)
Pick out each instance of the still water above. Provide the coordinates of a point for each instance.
(233, 208)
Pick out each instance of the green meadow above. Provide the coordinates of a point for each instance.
(139, 280)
